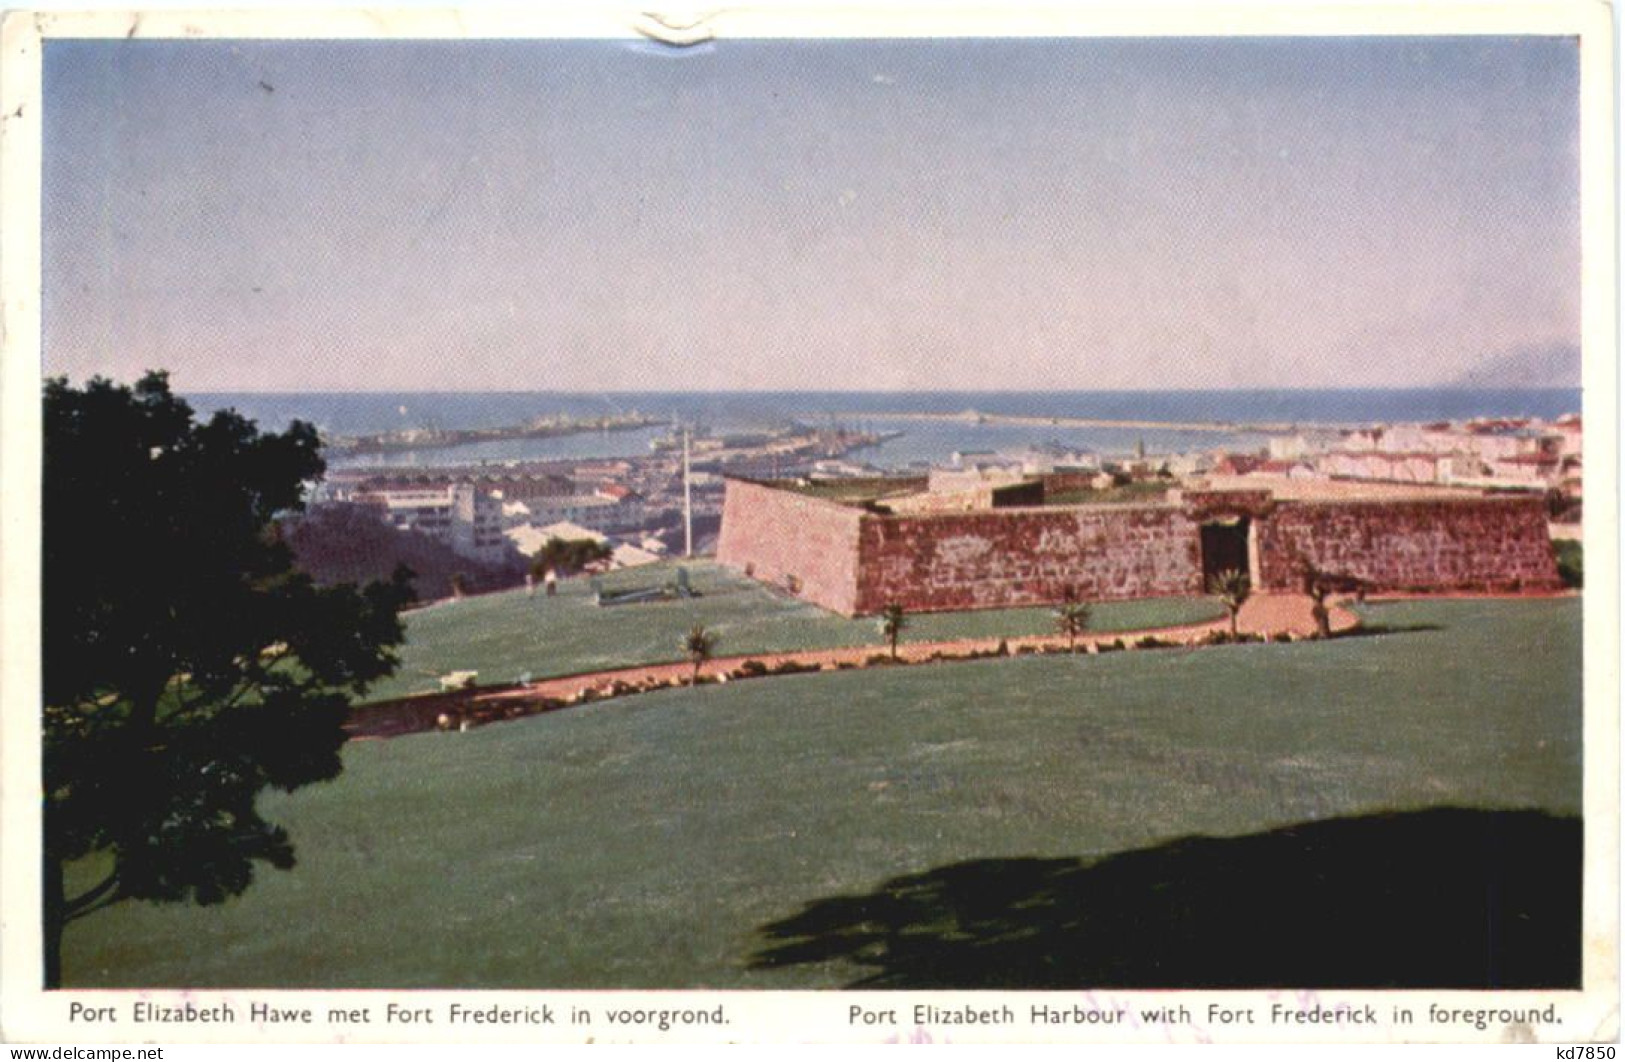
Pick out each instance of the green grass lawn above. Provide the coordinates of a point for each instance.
(647, 841)
(505, 635)
(1138, 493)
(855, 492)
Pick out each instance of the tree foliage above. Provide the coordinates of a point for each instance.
(569, 555)
(187, 664)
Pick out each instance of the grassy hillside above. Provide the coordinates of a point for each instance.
(505, 635)
(666, 839)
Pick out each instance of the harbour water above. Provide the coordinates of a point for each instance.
(920, 440)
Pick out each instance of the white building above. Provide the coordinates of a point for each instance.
(476, 524)
(460, 515)
(1382, 465)
(603, 510)
(1568, 428)
(1495, 453)
(1187, 465)
(1303, 444)
(627, 556)
(972, 477)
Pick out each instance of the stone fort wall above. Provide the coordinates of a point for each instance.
(1493, 544)
(792, 540)
(1004, 557)
(855, 562)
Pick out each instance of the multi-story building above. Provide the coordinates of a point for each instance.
(461, 515)
(610, 508)
(476, 524)
(1392, 466)
(1492, 453)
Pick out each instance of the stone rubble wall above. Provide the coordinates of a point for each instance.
(1204, 505)
(1015, 557)
(856, 562)
(1495, 545)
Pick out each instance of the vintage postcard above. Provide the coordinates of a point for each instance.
(1052, 524)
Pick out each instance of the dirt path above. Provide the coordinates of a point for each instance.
(1263, 614)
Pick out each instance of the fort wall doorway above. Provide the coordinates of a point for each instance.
(1227, 545)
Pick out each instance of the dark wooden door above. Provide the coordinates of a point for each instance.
(1224, 547)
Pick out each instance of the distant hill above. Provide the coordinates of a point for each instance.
(1554, 365)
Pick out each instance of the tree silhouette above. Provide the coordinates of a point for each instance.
(569, 555)
(892, 622)
(187, 664)
(698, 646)
(1232, 588)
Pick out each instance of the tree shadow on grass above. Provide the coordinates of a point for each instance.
(1390, 628)
(1443, 898)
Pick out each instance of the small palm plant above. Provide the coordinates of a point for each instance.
(892, 622)
(1232, 588)
(1072, 619)
(698, 646)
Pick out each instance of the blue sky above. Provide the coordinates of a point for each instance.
(977, 214)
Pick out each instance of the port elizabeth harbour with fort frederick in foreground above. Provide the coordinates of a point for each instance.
(578, 538)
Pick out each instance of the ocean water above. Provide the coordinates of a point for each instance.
(921, 441)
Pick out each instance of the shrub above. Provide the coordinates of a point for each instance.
(752, 668)
(892, 622)
(1151, 641)
(1571, 562)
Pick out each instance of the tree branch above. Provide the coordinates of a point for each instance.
(250, 682)
(93, 900)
